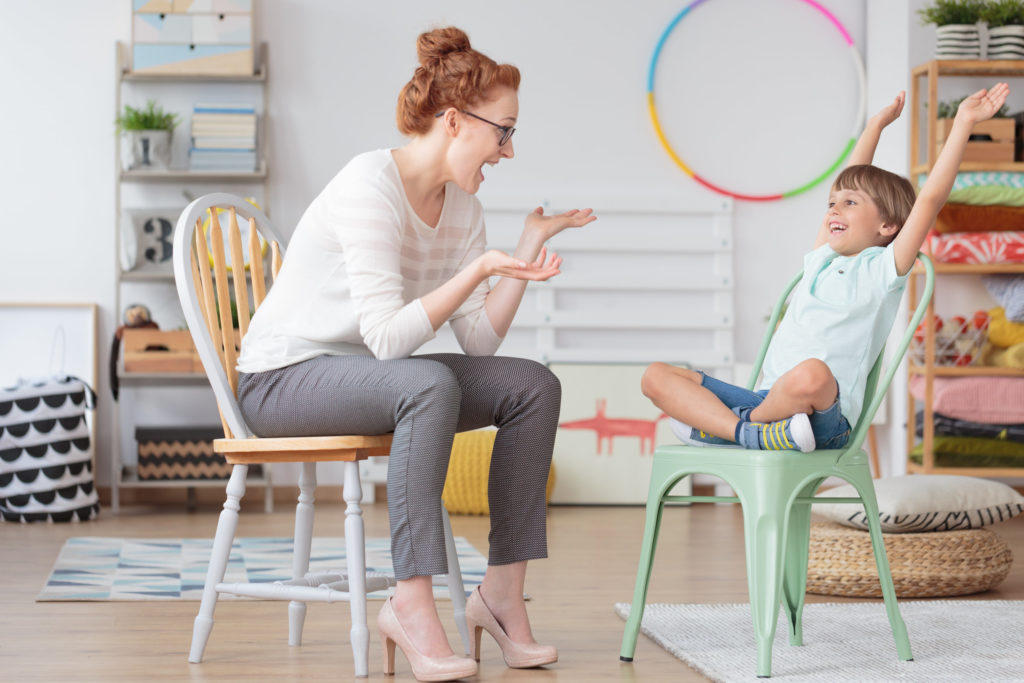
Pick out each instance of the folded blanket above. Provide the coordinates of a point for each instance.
(992, 400)
(987, 195)
(971, 218)
(1002, 332)
(977, 247)
(951, 426)
(1008, 291)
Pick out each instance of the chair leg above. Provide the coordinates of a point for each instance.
(303, 542)
(866, 491)
(794, 578)
(765, 534)
(227, 523)
(456, 587)
(652, 524)
(355, 550)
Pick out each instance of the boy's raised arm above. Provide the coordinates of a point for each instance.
(980, 106)
(864, 151)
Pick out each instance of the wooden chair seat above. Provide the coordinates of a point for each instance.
(302, 449)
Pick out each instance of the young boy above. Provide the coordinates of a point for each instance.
(840, 313)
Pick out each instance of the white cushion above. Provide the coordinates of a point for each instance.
(928, 502)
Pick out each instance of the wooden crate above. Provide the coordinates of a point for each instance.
(149, 350)
(1000, 148)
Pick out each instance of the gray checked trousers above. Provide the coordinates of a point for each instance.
(425, 400)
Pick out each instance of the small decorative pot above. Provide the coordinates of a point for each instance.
(1006, 42)
(145, 150)
(957, 41)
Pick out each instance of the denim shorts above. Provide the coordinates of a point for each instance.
(831, 428)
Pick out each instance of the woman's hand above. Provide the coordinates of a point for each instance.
(983, 104)
(498, 263)
(890, 112)
(549, 226)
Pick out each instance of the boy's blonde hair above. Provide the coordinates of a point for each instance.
(892, 194)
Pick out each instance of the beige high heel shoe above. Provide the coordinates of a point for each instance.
(479, 618)
(424, 668)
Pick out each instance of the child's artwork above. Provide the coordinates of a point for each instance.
(607, 432)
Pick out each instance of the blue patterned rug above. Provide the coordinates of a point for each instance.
(108, 569)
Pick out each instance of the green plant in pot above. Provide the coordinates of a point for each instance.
(145, 136)
(1005, 19)
(956, 29)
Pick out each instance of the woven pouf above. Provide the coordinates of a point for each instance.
(465, 489)
(924, 565)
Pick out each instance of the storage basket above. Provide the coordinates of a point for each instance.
(465, 489)
(924, 565)
(179, 453)
(958, 341)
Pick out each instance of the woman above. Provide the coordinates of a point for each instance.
(392, 249)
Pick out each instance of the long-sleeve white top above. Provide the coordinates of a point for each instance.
(356, 267)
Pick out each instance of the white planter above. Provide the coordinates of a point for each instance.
(145, 150)
(1006, 42)
(957, 41)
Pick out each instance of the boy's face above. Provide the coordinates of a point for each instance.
(854, 223)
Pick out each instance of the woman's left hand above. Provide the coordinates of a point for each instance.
(549, 226)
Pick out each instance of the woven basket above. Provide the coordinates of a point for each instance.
(924, 565)
(465, 489)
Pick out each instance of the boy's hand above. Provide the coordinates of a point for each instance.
(983, 104)
(891, 112)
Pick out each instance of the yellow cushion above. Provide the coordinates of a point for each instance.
(465, 489)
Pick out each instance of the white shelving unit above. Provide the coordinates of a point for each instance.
(155, 288)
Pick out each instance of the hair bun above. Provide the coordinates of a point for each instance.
(433, 46)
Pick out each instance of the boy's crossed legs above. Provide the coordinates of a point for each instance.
(800, 412)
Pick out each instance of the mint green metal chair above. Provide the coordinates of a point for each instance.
(776, 491)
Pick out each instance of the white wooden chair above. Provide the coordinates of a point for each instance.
(206, 302)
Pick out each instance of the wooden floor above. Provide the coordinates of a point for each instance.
(593, 554)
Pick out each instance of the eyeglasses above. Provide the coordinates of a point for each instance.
(506, 131)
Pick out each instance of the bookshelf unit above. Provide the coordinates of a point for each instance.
(169, 189)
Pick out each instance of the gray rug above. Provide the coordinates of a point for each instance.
(952, 640)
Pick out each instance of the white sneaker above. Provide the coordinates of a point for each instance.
(695, 437)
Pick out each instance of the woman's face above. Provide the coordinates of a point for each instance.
(478, 142)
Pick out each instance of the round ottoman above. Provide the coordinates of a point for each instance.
(465, 489)
(924, 565)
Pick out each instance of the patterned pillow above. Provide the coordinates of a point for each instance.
(928, 502)
(977, 247)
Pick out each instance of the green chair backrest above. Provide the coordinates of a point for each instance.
(873, 388)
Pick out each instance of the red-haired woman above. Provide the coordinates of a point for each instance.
(392, 249)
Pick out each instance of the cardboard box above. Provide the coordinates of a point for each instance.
(147, 350)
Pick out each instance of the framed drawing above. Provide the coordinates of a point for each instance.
(607, 432)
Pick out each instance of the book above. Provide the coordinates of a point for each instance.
(223, 108)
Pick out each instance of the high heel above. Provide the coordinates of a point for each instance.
(479, 618)
(424, 668)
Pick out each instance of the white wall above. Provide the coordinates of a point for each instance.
(764, 119)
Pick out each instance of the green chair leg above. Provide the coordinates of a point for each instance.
(866, 491)
(643, 574)
(765, 534)
(794, 581)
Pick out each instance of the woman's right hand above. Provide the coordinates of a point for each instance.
(497, 263)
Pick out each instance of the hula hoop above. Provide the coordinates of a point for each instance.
(858, 64)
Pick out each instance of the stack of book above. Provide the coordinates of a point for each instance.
(223, 138)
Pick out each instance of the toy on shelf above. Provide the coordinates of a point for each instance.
(958, 341)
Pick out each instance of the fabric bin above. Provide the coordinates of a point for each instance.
(46, 452)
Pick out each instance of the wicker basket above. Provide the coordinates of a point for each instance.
(924, 565)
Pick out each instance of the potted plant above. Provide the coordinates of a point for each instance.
(991, 140)
(956, 29)
(1005, 19)
(145, 136)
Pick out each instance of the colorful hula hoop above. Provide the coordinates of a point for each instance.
(857, 61)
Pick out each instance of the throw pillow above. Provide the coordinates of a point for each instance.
(928, 502)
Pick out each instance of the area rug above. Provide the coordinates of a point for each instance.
(952, 640)
(108, 569)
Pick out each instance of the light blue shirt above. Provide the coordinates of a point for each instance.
(841, 313)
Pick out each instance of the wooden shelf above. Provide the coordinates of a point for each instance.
(983, 166)
(971, 67)
(130, 479)
(967, 371)
(973, 268)
(183, 175)
(133, 379)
